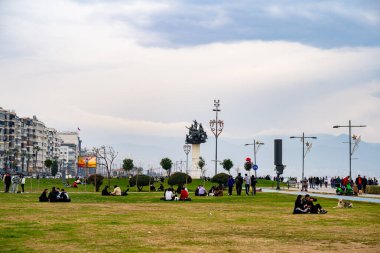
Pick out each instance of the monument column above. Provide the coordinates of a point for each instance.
(195, 137)
(195, 172)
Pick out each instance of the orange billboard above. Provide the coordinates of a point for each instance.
(87, 162)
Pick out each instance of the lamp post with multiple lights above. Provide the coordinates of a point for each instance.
(216, 126)
(186, 149)
(349, 140)
(256, 146)
(303, 137)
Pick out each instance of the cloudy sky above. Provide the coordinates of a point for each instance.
(148, 68)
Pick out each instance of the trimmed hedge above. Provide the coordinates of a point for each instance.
(179, 178)
(373, 189)
(221, 179)
(143, 180)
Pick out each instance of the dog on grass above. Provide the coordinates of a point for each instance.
(344, 204)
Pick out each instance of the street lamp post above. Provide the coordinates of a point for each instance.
(186, 149)
(216, 128)
(303, 137)
(349, 140)
(256, 146)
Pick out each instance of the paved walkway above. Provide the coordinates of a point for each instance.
(373, 198)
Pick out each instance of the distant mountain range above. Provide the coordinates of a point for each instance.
(329, 155)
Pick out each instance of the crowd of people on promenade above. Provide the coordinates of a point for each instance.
(55, 195)
(337, 182)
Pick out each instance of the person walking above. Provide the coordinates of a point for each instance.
(359, 182)
(239, 184)
(365, 182)
(253, 184)
(247, 181)
(230, 184)
(23, 183)
(15, 182)
(7, 181)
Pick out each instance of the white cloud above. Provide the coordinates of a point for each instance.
(85, 70)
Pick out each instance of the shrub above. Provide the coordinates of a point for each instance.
(142, 180)
(221, 179)
(179, 178)
(373, 189)
(99, 180)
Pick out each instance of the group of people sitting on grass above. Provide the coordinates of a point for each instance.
(116, 191)
(171, 195)
(306, 205)
(55, 195)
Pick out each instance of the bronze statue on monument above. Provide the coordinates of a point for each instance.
(196, 134)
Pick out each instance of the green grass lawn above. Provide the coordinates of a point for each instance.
(140, 222)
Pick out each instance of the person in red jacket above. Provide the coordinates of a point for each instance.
(184, 195)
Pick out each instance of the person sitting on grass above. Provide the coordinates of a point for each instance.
(116, 191)
(75, 184)
(201, 191)
(169, 194)
(161, 188)
(218, 191)
(300, 207)
(44, 197)
(105, 191)
(53, 195)
(64, 197)
(152, 188)
(184, 195)
(313, 208)
(211, 192)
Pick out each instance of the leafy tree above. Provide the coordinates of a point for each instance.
(54, 168)
(201, 163)
(166, 164)
(128, 165)
(227, 164)
(142, 180)
(179, 178)
(221, 179)
(99, 180)
(48, 163)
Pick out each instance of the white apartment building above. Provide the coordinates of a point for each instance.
(25, 143)
(69, 151)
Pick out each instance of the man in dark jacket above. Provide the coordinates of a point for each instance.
(7, 181)
(239, 184)
(53, 195)
(253, 184)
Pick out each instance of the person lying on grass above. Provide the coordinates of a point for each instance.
(313, 208)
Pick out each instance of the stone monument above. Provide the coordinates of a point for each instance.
(195, 137)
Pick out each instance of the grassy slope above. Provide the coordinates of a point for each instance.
(141, 222)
